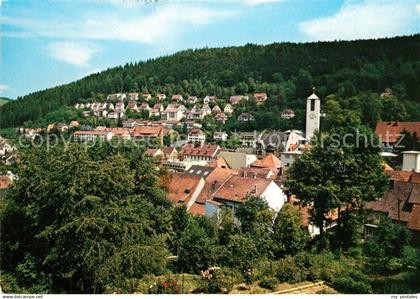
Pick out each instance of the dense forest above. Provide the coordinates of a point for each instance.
(286, 71)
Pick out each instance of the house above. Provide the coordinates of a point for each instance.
(93, 135)
(177, 98)
(173, 112)
(115, 115)
(120, 107)
(260, 173)
(206, 109)
(271, 142)
(236, 189)
(154, 152)
(390, 132)
(157, 109)
(86, 113)
(216, 110)
(133, 96)
(122, 133)
(74, 124)
(131, 123)
(150, 134)
(146, 96)
(195, 135)
(200, 170)
(61, 127)
(248, 139)
(401, 203)
(246, 117)
(5, 147)
(221, 118)
(116, 97)
(295, 151)
(411, 161)
(260, 97)
(220, 136)
(199, 153)
(209, 99)
(195, 115)
(161, 96)
(287, 113)
(228, 109)
(6, 181)
(111, 106)
(213, 181)
(132, 105)
(145, 107)
(219, 162)
(234, 100)
(183, 189)
(192, 100)
(236, 160)
(270, 161)
(170, 153)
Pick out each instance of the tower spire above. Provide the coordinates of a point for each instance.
(313, 89)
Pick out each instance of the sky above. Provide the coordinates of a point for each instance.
(52, 42)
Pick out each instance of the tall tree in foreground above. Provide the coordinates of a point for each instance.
(86, 228)
(341, 170)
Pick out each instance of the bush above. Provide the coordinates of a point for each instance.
(215, 280)
(166, 285)
(354, 282)
(289, 272)
(269, 283)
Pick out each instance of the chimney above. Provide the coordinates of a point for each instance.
(411, 161)
(254, 190)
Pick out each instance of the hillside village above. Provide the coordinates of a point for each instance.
(207, 172)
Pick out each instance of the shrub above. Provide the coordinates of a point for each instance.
(166, 285)
(289, 272)
(269, 283)
(354, 282)
(215, 280)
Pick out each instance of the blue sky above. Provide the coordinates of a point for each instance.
(48, 43)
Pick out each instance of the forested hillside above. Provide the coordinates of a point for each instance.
(286, 71)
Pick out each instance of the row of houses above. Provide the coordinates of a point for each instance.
(152, 134)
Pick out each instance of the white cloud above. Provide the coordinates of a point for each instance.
(258, 2)
(165, 22)
(367, 19)
(3, 88)
(72, 52)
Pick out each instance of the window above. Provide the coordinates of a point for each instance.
(312, 105)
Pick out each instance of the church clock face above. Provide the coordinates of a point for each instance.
(312, 115)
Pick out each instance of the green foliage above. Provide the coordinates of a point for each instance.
(342, 170)
(289, 234)
(87, 225)
(387, 247)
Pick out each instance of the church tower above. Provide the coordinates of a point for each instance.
(313, 112)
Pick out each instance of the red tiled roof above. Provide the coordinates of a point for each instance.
(5, 182)
(269, 161)
(400, 175)
(390, 131)
(219, 162)
(205, 150)
(213, 181)
(197, 209)
(414, 218)
(181, 187)
(250, 172)
(146, 130)
(237, 188)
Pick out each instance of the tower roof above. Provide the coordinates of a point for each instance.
(313, 96)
